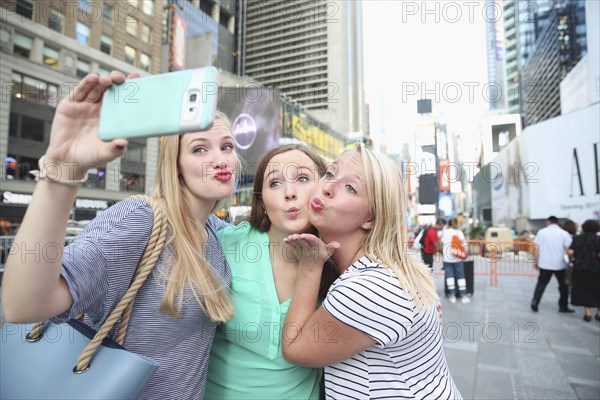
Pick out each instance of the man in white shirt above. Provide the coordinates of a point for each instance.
(552, 242)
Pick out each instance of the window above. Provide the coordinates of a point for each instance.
(147, 6)
(132, 182)
(13, 125)
(17, 80)
(131, 26)
(103, 71)
(207, 7)
(22, 45)
(32, 128)
(130, 55)
(18, 167)
(55, 20)
(96, 178)
(84, 4)
(107, 12)
(224, 20)
(146, 34)
(83, 33)
(29, 127)
(83, 68)
(145, 62)
(25, 8)
(105, 44)
(135, 152)
(52, 95)
(51, 57)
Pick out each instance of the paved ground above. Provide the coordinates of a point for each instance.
(497, 348)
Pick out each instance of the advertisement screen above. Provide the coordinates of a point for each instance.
(446, 205)
(254, 114)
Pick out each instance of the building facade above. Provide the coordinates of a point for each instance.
(46, 48)
(312, 52)
(559, 46)
(495, 58)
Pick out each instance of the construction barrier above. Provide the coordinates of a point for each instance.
(497, 259)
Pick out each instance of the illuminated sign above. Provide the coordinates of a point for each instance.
(177, 42)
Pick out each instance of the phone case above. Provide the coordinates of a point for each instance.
(165, 104)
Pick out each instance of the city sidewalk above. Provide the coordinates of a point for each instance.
(497, 348)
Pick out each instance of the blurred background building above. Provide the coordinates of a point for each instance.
(47, 47)
(312, 52)
(537, 141)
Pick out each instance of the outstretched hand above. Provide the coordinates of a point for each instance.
(74, 135)
(311, 251)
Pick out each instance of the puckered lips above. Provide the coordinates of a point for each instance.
(223, 176)
(316, 204)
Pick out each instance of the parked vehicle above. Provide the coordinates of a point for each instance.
(499, 240)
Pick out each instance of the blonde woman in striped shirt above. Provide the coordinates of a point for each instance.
(377, 333)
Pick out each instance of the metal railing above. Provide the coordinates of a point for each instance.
(496, 259)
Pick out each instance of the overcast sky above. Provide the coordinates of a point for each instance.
(413, 47)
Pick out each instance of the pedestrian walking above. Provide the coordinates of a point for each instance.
(552, 243)
(454, 252)
(430, 241)
(585, 255)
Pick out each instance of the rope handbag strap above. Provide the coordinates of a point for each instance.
(123, 309)
(147, 262)
(153, 250)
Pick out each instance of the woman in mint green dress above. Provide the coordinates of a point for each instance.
(246, 358)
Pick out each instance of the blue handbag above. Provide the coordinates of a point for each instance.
(71, 360)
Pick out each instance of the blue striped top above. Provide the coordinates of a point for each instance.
(98, 267)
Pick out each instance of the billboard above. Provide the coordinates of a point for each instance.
(177, 32)
(254, 113)
(427, 189)
(444, 175)
(446, 205)
(551, 169)
(324, 143)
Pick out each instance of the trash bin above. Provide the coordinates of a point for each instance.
(469, 272)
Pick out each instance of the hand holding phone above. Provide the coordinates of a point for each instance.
(165, 104)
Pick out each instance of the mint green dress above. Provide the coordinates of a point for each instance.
(246, 361)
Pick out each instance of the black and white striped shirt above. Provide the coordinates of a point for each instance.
(98, 267)
(408, 358)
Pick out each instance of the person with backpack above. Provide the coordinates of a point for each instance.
(454, 252)
(428, 239)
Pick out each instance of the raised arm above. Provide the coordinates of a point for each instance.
(32, 288)
(311, 336)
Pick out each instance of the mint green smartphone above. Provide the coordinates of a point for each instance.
(165, 104)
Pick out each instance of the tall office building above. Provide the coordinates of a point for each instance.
(521, 21)
(311, 51)
(46, 48)
(560, 44)
(212, 31)
(495, 57)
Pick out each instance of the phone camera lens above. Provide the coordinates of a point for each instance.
(193, 97)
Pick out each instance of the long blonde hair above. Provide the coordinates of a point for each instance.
(189, 239)
(387, 240)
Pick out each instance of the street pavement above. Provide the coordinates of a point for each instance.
(497, 348)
